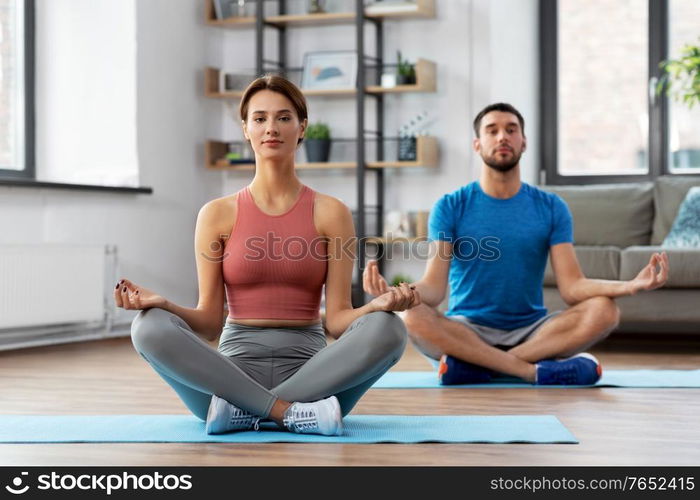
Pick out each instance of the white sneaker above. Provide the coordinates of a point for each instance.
(319, 417)
(224, 417)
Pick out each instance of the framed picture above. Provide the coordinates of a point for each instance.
(329, 70)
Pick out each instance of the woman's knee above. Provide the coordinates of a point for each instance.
(389, 331)
(149, 329)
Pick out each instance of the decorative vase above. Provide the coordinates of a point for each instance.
(409, 79)
(317, 150)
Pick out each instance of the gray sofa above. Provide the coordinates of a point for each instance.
(616, 229)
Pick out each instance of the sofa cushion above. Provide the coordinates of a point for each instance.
(596, 262)
(669, 192)
(685, 232)
(684, 264)
(619, 215)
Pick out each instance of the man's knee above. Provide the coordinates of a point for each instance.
(420, 321)
(605, 311)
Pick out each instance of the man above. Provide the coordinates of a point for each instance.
(492, 238)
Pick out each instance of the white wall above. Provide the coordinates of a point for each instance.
(154, 233)
(512, 65)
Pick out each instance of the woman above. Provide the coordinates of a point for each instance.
(271, 248)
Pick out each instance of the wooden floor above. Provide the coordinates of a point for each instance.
(614, 426)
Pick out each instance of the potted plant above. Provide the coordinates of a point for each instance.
(316, 7)
(406, 72)
(682, 75)
(401, 278)
(318, 142)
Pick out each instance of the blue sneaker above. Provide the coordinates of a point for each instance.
(453, 371)
(582, 369)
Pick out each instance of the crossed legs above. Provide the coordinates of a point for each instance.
(347, 368)
(566, 334)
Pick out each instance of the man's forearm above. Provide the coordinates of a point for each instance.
(586, 288)
(429, 295)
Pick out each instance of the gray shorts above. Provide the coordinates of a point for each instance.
(501, 339)
(270, 355)
(504, 338)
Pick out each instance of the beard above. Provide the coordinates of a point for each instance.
(502, 165)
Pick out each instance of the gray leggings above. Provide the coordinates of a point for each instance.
(292, 364)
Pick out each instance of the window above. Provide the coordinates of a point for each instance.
(83, 53)
(684, 133)
(16, 88)
(601, 119)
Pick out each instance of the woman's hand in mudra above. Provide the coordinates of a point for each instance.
(398, 298)
(131, 296)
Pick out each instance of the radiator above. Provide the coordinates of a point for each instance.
(52, 284)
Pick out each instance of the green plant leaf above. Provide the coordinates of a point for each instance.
(681, 77)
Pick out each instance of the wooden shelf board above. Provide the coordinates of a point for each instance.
(339, 164)
(232, 22)
(376, 89)
(396, 164)
(424, 9)
(229, 94)
(313, 19)
(328, 92)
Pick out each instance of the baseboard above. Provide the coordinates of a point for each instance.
(21, 338)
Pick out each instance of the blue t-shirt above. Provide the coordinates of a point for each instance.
(500, 249)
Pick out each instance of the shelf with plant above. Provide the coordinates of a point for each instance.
(215, 158)
(424, 72)
(426, 156)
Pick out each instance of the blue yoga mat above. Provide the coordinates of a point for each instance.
(358, 429)
(610, 378)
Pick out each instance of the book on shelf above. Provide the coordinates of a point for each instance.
(390, 6)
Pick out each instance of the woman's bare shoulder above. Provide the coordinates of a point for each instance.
(327, 203)
(220, 212)
(330, 213)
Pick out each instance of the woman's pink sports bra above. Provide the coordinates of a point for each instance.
(274, 266)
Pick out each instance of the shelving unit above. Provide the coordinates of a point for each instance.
(426, 146)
